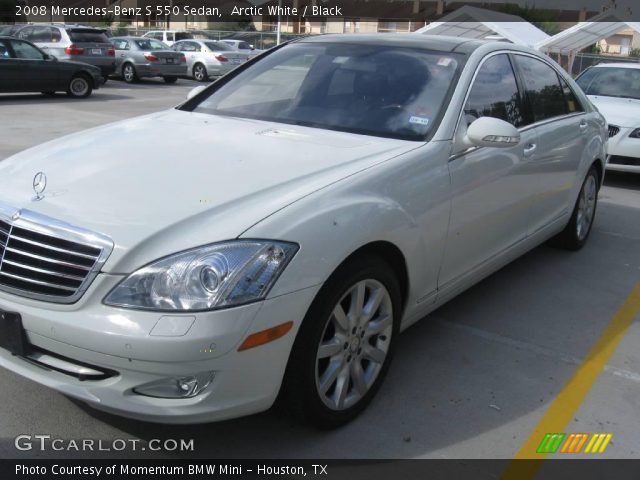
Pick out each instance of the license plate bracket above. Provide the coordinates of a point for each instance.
(12, 334)
(170, 60)
(96, 51)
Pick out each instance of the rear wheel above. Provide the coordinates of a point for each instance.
(344, 346)
(129, 73)
(80, 86)
(200, 72)
(170, 79)
(577, 231)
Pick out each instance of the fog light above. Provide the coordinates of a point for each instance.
(177, 387)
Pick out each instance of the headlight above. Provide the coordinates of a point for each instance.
(635, 133)
(205, 278)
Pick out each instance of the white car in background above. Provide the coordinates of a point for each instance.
(168, 37)
(614, 88)
(242, 46)
(270, 237)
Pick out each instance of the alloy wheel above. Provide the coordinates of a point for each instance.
(79, 86)
(586, 207)
(354, 345)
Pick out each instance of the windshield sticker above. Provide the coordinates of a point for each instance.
(444, 61)
(419, 120)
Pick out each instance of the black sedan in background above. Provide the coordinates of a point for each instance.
(26, 68)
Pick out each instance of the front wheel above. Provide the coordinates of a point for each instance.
(80, 87)
(577, 231)
(345, 344)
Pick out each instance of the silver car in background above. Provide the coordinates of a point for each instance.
(208, 58)
(138, 57)
(73, 42)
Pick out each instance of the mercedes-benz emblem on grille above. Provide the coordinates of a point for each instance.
(39, 185)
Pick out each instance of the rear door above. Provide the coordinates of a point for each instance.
(561, 126)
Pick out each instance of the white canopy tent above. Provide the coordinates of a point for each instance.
(473, 22)
(582, 35)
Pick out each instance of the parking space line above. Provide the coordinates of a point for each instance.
(568, 401)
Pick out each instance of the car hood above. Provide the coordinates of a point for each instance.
(623, 112)
(169, 181)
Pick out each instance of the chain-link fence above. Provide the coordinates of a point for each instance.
(586, 60)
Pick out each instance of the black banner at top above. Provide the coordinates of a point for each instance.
(415, 11)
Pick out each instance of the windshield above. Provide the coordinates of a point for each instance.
(150, 44)
(218, 47)
(611, 82)
(385, 91)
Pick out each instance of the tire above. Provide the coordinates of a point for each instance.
(170, 79)
(576, 233)
(80, 86)
(311, 389)
(129, 73)
(200, 73)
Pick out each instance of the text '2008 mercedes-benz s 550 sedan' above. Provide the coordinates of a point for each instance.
(325, 196)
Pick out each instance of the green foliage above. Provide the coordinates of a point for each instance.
(545, 20)
(634, 52)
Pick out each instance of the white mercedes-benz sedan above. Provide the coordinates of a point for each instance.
(614, 88)
(317, 201)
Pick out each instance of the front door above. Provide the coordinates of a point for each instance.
(490, 188)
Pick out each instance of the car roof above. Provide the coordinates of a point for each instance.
(617, 65)
(411, 40)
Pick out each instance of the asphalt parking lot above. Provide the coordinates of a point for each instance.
(523, 353)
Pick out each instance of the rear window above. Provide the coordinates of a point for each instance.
(93, 36)
(183, 36)
(151, 44)
(218, 46)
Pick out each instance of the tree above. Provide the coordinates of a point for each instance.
(634, 52)
(545, 20)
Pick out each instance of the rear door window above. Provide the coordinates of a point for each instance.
(542, 88)
(4, 51)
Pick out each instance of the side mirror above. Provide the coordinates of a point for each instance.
(195, 91)
(492, 132)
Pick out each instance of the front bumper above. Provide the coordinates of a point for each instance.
(624, 151)
(141, 347)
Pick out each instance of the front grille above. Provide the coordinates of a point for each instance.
(48, 260)
(613, 130)
(620, 160)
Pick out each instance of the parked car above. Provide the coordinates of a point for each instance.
(206, 58)
(73, 42)
(139, 57)
(26, 68)
(10, 30)
(615, 89)
(242, 46)
(168, 37)
(271, 236)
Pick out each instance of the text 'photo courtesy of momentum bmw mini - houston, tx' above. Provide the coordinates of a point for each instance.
(358, 182)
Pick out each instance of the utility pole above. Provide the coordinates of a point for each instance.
(279, 27)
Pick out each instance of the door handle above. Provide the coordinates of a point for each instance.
(122, 54)
(529, 149)
(583, 125)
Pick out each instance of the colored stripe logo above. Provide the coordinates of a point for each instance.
(574, 443)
